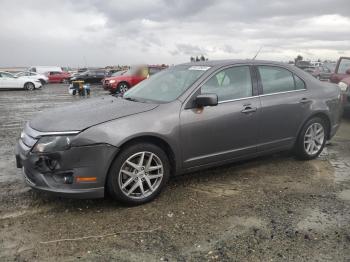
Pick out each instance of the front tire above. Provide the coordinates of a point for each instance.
(122, 88)
(138, 174)
(311, 139)
(29, 86)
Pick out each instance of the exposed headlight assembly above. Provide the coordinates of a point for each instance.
(48, 144)
(343, 86)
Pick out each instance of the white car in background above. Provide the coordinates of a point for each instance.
(35, 76)
(44, 69)
(8, 80)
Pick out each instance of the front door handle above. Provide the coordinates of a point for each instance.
(249, 109)
(304, 100)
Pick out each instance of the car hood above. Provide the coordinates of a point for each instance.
(84, 114)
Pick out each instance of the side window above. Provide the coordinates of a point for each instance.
(299, 84)
(276, 79)
(230, 83)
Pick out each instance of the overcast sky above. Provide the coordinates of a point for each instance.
(93, 32)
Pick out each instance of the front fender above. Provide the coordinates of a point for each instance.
(162, 123)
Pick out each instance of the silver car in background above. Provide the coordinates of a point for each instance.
(188, 117)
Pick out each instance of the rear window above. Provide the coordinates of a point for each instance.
(276, 80)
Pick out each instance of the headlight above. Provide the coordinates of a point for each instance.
(112, 81)
(52, 144)
(343, 86)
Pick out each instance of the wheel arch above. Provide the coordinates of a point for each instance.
(28, 82)
(153, 140)
(124, 82)
(324, 116)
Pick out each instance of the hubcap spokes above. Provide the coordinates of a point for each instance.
(140, 175)
(314, 138)
(123, 88)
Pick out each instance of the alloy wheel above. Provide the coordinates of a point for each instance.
(141, 175)
(123, 88)
(314, 138)
(30, 86)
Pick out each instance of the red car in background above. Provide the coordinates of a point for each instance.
(58, 77)
(341, 76)
(119, 84)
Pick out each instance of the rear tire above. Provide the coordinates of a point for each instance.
(138, 174)
(29, 86)
(311, 140)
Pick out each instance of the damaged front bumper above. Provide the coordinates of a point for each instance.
(77, 172)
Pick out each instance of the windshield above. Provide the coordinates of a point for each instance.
(8, 75)
(119, 73)
(130, 72)
(343, 66)
(167, 85)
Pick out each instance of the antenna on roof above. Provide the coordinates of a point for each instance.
(257, 53)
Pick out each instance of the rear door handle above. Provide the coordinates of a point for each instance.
(249, 109)
(304, 100)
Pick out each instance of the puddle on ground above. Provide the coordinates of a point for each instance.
(344, 195)
(216, 189)
(341, 165)
(316, 220)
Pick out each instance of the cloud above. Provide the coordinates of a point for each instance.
(68, 32)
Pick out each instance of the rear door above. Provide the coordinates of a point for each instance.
(54, 77)
(285, 103)
(226, 131)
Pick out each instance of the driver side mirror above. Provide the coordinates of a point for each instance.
(206, 100)
(347, 71)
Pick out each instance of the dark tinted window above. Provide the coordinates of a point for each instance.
(276, 79)
(100, 73)
(231, 83)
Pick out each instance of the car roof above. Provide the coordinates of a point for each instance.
(219, 63)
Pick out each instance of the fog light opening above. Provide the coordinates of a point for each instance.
(68, 179)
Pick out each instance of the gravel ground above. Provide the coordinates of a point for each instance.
(272, 208)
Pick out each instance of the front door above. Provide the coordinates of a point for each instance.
(226, 131)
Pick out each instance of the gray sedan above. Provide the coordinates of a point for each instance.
(186, 118)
